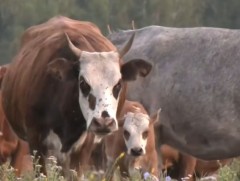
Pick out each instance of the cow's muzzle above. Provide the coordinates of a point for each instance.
(103, 126)
(137, 151)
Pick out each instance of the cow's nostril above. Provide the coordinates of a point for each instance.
(105, 114)
(136, 151)
(96, 122)
(102, 126)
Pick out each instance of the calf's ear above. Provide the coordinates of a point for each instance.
(131, 69)
(61, 69)
(155, 117)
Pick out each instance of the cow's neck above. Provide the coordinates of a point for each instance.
(97, 139)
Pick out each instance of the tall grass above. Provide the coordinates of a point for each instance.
(54, 173)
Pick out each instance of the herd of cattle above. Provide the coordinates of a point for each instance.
(66, 93)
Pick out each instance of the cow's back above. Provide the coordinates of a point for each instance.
(195, 80)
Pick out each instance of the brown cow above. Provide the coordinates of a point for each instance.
(180, 165)
(67, 78)
(136, 139)
(10, 145)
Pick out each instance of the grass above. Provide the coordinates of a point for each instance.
(231, 172)
(225, 173)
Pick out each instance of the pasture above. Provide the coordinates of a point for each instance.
(86, 105)
(159, 97)
(226, 173)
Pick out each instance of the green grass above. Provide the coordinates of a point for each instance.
(231, 172)
(54, 172)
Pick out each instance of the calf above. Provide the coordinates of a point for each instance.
(181, 166)
(10, 145)
(136, 139)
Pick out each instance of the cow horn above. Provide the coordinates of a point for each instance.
(133, 25)
(126, 47)
(74, 49)
(109, 29)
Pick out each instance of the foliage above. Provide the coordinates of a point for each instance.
(54, 173)
(16, 16)
(231, 172)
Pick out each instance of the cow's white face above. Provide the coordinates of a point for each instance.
(99, 88)
(100, 82)
(135, 132)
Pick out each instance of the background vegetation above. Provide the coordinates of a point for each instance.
(17, 15)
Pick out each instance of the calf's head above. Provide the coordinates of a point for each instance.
(136, 130)
(100, 78)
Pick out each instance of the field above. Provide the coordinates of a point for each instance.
(226, 173)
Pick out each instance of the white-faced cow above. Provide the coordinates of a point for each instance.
(66, 78)
(195, 80)
(136, 139)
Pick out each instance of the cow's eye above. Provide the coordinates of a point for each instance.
(145, 134)
(116, 89)
(126, 134)
(84, 86)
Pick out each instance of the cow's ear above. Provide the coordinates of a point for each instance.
(131, 69)
(155, 117)
(61, 69)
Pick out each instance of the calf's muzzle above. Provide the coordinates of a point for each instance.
(137, 151)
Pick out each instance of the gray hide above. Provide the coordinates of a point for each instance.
(196, 81)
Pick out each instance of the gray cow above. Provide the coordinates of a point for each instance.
(196, 82)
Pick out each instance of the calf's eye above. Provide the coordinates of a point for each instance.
(126, 134)
(145, 134)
